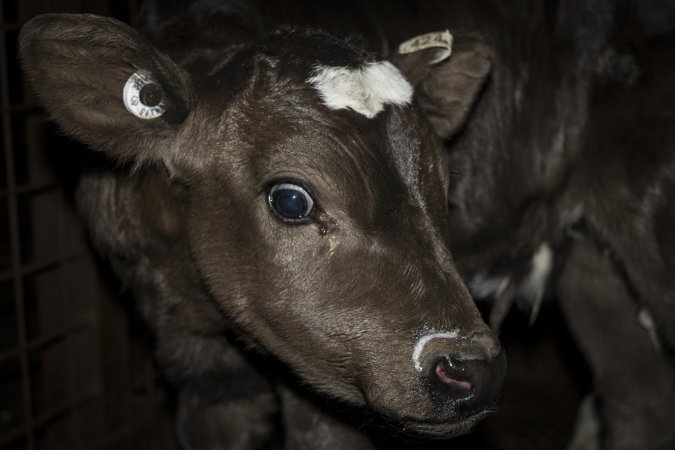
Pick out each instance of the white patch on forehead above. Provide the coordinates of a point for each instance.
(365, 90)
(421, 342)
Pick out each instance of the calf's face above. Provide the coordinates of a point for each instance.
(315, 204)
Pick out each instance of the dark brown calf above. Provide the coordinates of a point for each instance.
(285, 197)
(563, 187)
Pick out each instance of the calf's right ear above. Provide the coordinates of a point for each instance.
(448, 76)
(106, 85)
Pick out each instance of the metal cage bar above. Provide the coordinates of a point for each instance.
(73, 371)
(14, 241)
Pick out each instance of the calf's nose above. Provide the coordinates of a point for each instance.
(470, 386)
(465, 375)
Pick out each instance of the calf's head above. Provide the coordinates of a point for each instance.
(314, 200)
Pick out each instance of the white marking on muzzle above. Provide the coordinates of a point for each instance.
(421, 342)
(365, 90)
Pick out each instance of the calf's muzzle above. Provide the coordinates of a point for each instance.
(463, 374)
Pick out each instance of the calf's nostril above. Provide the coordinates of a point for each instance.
(451, 373)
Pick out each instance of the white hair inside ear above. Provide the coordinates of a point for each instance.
(142, 96)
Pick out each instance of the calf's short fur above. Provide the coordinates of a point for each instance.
(562, 187)
(558, 179)
(358, 298)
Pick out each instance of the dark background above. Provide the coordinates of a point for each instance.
(75, 367)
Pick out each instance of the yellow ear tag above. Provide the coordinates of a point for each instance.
(441, 40)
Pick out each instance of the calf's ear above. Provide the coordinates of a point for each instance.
(447, 76)
(105, 85)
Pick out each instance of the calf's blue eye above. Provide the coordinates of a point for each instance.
(290, 201)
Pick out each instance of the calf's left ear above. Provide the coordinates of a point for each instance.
(106, 85)
(447, 76)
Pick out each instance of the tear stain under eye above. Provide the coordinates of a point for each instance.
(325, 223)
(332, 244)
(135, 93)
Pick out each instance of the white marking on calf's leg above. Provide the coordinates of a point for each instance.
(586, 434)
(365, 89)
(482, 286)
(421, 342)
(534, 285)
(647, 322)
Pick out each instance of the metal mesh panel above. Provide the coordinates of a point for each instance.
(72, 373)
